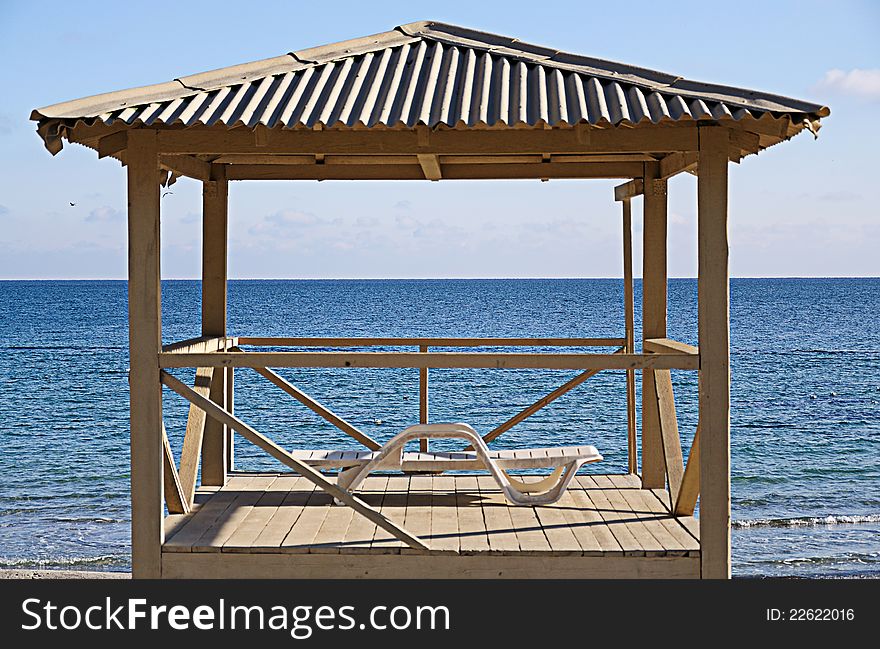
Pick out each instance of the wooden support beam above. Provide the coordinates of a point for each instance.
(187, 165)
(626, 191)
(145, 341)
(629, 347)
(675, 163)
(269, 341)
(616, 361)
(430, 164)
(215, 195)
(223, 141)
(112, 144)
(423, 399)
(653, 318)
(202, 344)
(690, 483)
(540, 403)
(668, 346)
(714, 340)
(319, 409)
(175, 501)
(195, 431)
(414, 171)
(216, 412)
(669, 437)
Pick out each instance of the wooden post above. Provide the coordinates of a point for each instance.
(215, 447)
(145, 343)
(629, 309)
(423, 400)
(653, 318)
(714, 337)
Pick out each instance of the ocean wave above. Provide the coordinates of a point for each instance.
(807, 521)
(103, 561)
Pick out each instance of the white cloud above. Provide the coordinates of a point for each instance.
(104, 214)
(862, 83)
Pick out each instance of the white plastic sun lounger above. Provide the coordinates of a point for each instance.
(357, 465)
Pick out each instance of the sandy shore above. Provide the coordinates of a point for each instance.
(61, 574)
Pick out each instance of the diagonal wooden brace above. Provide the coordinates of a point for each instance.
(280, 454)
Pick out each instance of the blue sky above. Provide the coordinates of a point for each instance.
(803, 208)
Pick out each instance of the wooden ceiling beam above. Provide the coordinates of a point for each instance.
(450, 172)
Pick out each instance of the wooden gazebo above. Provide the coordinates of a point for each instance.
(427, 101)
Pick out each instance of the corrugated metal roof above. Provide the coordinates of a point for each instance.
(424, 73)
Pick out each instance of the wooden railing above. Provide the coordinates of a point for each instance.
(207, 354)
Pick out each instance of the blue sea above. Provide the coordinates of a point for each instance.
(805, 441)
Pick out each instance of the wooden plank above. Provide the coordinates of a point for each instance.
(305, 530)
(359, 535)
(207, 515)
(634, 520)
(646, 500)
(669, 436)
(418, 508)
(283, 519)
(471, 524)
(669, 346)
(214, 538)
(655, 519)
(318, 408)
(268, 341)
(223, 141)
(631, 189)
(616, 521)
(499, 526)
(192, 439)
(691, 524)
(615, 361)
(442, 566)
(187, 165)
(714, 341)
(444, 515)
(286, 458)
(215, 217)
(653, 318)
(540, 403)
(393, 506)
(174, 498)
(556, 528)
(529, 532)
(583, 523)
(259, 516)
(690, 482)
(629, 347)
(145, 341)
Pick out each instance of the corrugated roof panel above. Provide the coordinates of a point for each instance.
(425, 73)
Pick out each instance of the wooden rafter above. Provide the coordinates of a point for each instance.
(430, 164)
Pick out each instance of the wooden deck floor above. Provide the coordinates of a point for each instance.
(279, 525)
